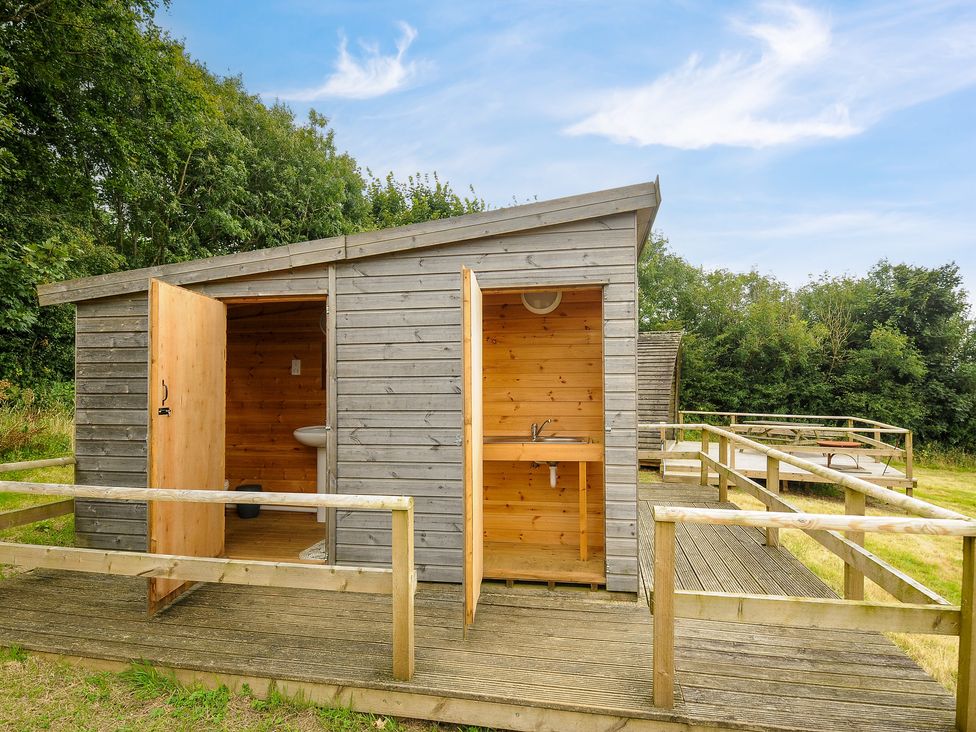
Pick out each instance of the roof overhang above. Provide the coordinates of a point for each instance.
(643, 199)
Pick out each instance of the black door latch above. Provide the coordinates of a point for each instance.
(164, 411)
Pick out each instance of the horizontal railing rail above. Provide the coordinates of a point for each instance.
(32, 464)
(884, 495)
(879, 439)
(400, 580)
(669, 604)
(772, 415)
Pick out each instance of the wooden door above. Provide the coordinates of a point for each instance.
(473, 441)
(187, 367)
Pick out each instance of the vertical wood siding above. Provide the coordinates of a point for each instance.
(399, 383)
(111, 418)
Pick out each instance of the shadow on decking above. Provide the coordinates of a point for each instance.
(535, 659)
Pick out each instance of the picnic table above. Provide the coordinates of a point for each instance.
(840, 446)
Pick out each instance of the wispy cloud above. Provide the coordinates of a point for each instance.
(806, 78)
(372, 75)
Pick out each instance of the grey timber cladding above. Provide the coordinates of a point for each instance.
(399, 383)
(658, 372)
(111, 418)
(397, 308)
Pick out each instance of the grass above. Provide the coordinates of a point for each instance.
(36, 693)
(34, 434)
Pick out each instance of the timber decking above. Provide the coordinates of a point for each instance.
(721, 558)
(531, 656)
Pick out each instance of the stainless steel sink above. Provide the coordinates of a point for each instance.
(518, 440)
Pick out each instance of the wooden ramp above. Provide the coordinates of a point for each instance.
(534, 659)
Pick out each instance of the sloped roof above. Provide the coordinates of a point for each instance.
(657, 371)
(643, 198)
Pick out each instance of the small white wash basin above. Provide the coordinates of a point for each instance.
(314, 436)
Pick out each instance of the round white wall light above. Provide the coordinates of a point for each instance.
(542, 302)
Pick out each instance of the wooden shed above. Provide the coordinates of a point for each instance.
(424, 357)
(658, 381)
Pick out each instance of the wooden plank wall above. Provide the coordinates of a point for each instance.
(399, 369)
(265, 403)
(657, 383)
(399, 390)
(537, 368)
(111, 418)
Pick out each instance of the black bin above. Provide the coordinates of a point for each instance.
(248, 510)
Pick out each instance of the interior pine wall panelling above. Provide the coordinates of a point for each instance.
(265, 401)
(538, 368)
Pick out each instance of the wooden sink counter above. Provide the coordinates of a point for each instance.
(544, 452)
(553, 452)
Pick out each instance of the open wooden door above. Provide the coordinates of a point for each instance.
(473, 441)
(187, 366)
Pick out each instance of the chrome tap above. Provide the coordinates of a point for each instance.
(537, 428)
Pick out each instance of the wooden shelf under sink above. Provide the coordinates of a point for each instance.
(543, 452)
(543, 563)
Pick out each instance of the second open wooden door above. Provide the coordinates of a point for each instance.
(473, 441)
(187, 367)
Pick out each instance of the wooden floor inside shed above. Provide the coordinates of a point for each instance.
(273, 536)
(535, 659)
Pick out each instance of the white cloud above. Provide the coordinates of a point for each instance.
(373, 75)
(809, 79)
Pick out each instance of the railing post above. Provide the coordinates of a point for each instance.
(681, 433)
(723, 477)
(732, 424)
(663, 611)
(850, 426)
(854, 503)
(772, 485)
(966, 679)
(404, 584)
(704, 449)
(909, 461)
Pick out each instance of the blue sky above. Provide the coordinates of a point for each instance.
(792, 137)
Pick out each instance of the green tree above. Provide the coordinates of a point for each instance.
(117, 151)
(896, 345)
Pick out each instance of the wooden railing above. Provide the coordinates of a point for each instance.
(876, 439)
(32, 464)
(32, 514)
(858, 562)
(400, 580)
(920, 610)
(930, 618)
